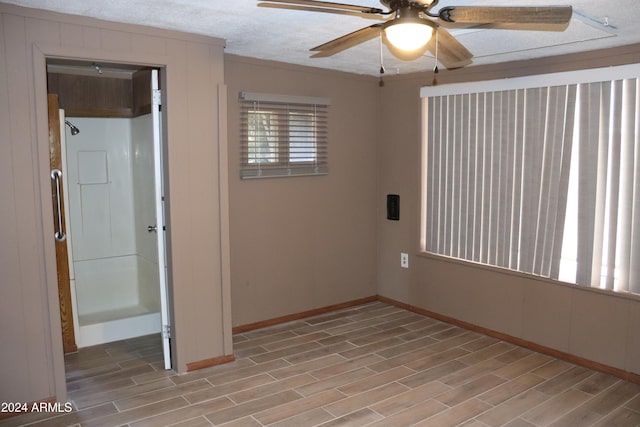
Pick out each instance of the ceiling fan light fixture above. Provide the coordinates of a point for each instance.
(409, 35)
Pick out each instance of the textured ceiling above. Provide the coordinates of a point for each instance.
(286, 36)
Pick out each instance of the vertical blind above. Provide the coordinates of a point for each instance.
(543, 180)
(497, 172)
(607, 186)
(283, 135)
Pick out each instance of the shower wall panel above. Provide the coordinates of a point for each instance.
(102, 215)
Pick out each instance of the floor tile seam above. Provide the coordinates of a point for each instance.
(446, 407)
(347, 334)
(214, 386)
(296, 415)
(372, 389)
(113, 402)
(484, 371)
(431, 397)
(514, 398)
(284, 352)
(373, 344)
(256, 415)
(176, 387)
(250, 416)
(495, 356)
(275, 380)
(266, 339)
(554, 360)
(179, 422)
(582, 404)
(71, 395)
(259, 342)
(325, 326)
(211, 378)
(465, 421)
(303, 342)
(383, 336)
(565, 411)
(476, 396)
(120, 374)
(618, 380)
(626, 402)
(422, 402)
(377, 353)
(137, 382)
(371, 372)
(106, 416)
(334, 375)
(313, 356)
(636, 410)
(249, 402)
(563, 390)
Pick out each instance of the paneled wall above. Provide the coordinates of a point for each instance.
(594, 325)
(301, 243)
(31, 362)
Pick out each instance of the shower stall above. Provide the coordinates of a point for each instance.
(111, 219)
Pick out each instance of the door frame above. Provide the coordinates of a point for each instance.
(61, 215)
(40, 54)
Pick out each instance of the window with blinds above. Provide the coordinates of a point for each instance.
(283, 135)
(539, 175)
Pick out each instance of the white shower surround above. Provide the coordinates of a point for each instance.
(110, 180)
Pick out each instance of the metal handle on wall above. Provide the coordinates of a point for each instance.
(59, 235)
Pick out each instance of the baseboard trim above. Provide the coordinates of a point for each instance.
(207, 363)
(571, 358)
(302, 315)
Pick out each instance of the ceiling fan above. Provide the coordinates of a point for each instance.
(408, 26)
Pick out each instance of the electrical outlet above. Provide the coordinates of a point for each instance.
(404, 260)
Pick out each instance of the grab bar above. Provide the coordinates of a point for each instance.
(59, 235)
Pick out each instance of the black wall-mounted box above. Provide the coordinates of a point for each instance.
(393, 207)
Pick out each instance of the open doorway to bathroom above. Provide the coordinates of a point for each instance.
(108, 201)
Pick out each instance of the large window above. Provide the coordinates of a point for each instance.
(538, 175)
(283, 135)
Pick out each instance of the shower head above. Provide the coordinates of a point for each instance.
(74, 129)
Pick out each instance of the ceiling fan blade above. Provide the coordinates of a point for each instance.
(346, 41)
(320, 9)
(451, 53)
(544, 18)
(331, 5)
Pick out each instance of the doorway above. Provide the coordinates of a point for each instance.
(112, 198)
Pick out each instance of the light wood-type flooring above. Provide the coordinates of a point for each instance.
(369, 365)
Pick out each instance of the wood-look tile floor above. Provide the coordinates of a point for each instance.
(370, 365)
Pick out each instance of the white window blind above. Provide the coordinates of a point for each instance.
(496, 176)
(541, 177)
(283, 135)
(602, 247)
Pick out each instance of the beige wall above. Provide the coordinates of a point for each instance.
(301, 243)
(594, 325)
(31, 363)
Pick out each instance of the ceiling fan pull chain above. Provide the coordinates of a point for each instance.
(381, 82)
(434, 82)
(381, 57)
(435, 67)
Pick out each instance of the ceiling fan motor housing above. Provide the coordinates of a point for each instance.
(418, 6)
